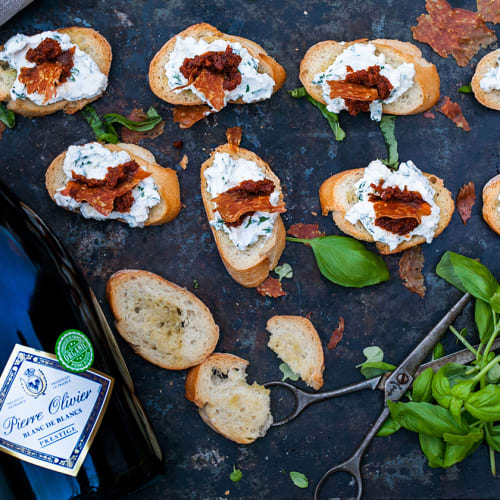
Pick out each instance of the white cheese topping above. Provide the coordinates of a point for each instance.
(491, 80)
(254, 86)
(361, 56)
(225, 173)
(408, 175)
(92, 160)
(86, 80)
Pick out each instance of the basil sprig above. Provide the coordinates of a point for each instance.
(7, 116)
(104, 130)
(465, 89)
(458, 408)
(346, 262)
(388, 128)
(331, 118)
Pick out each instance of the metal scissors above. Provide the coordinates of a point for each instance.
(393, 384)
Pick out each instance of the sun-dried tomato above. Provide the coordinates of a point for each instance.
(124, 203)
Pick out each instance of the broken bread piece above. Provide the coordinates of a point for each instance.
(164, 323)
(295, 341)
(491, 203)
(231, 407)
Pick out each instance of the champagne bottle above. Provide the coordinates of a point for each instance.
(43, 410)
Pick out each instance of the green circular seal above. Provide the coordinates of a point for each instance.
(74, 351)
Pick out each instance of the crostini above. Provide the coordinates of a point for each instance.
(491, 203)
(206, 69)
(396, 209)
(486, 80)
(63, 69)
(121, 181)
(243, 201)
(380, 76)
(164, 323)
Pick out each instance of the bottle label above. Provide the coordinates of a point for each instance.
(48, 415)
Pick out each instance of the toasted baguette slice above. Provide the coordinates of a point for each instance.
(158, 80)
(164, 323)
(337, 195)
(491, 204)
(421, 96)
(295, 340)
(249, 267)
(231, 407)
(165, 178)
(488, 99)
(89, 41)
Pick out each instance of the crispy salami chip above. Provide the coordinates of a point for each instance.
(133, 136)
(465, 201)
(42, 79)
(337, 335)
(429, 114)
(211, 85)
(458, 32)
(187, 116)
(453, 111)
(410, 270)
(489, 10)
(233, 135)
(305, 231)
(271, 287)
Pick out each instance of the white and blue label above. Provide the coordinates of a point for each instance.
(48, 415)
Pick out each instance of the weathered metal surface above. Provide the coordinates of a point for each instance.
(297, 142)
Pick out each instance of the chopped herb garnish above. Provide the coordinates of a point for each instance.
(465, 89)
(196, 285)
(7, 116)
(236, 475)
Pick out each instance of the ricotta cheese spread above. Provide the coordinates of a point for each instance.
(491, 80)
(361, 56)
(92, 161)
(86, 80)
(409, 176)
(225, 173)
(254, 86)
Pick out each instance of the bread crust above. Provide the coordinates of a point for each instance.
(89, 41)
(333, 198)
(120, 278)
(491, 215)
(322, 55)
(254, 274)
(489, 99)
(159, 83)
(165, 178)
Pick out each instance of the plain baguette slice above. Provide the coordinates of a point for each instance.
(295, 340)
(421, 96)
(488, 99)
(164, 323)
(249, 267)
(491, 204)
(158, 79)
(338, 195)
(90, 42)
(231, 407)
(165, 179)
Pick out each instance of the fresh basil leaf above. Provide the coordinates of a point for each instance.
(422, 387)
(375, 369)
(299, 479)
(495, 301)
(463, 388)
(390, 427)
(456, 408)
(236, 475)
(438, 351)
(143, 126)
(426, 418)
(465, 89)
(298, 92)
(460, 447)
(372, 354)
(331, 118)
(446, 379)
(388, 128)
(493, 374)
(484, 320)
(493, 436)
(346, 262)
(433, 448)
(467, 275)
(485, 403)
(7, 116)
(102, 130)
(284, 271)
(288, 373)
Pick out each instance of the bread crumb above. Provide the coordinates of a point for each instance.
(314, 213)
(226, 492)
(184, 162)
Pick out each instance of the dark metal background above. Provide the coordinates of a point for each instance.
(296, 141)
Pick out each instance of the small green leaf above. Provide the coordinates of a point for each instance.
(299, 479)
(388, 128)
(374, 364)
(7, 116)
(422, 386)
(196, 285)
(103, 131)
(284, 271)
(288, 373)
(484, 320)
(236, 475)
(373, 354)
(298, 92)
(495, 301)
(485, 404)
(493, 436)
(438, 351)
(143, 126)
(460, 447)
(390, 427)
(465, 89)
(433, 448)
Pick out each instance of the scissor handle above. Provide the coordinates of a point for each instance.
(303, 398)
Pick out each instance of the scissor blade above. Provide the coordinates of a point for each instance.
(461, 357)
